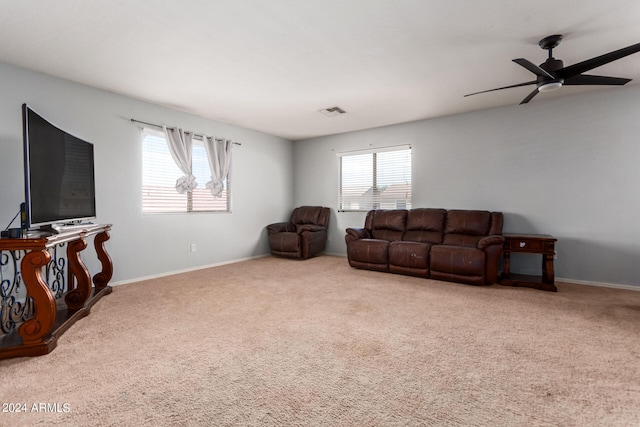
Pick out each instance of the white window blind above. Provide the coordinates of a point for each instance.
(159, 175)
(375, 179)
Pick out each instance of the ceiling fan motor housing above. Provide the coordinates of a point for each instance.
(550, 66)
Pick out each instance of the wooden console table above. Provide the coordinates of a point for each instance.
(543, 244)
(33, 322)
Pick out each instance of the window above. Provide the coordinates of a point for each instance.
(159, 175)
(375, 179)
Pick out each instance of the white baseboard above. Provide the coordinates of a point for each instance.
(335, 254)
(186, 270)
(604, 285)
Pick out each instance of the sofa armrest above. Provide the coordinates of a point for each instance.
(487, 241)
(310, 227)
(280, 227)
(358, 233)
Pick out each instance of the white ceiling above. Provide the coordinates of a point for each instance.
(270, 65)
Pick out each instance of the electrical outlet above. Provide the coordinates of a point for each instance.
(328, 237)
(555, 254)
(193, 247)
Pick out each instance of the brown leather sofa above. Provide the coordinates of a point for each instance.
(304, 236)
(453, 245)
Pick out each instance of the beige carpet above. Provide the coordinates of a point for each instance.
(282, 342)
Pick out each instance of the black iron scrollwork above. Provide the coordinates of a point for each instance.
(55, 273)
(15, 305)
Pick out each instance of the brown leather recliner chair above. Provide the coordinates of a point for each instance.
(304, 236)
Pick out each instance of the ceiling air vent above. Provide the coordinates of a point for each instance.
(333, 111)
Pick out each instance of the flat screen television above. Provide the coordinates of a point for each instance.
(59, 174)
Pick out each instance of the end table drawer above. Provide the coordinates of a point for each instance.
(526, 245)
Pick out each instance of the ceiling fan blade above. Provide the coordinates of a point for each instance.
(587, 79)
(589, 64)
(505, 87)
(533, 68)
(530, 96)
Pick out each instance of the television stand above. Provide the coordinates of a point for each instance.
(34, 318)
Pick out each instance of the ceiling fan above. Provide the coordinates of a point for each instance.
(552, 74)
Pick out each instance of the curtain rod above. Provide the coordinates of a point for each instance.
(160, 126)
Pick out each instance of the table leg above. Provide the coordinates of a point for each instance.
(36, 329)
(77, 296)
(102, 278)
(548, 274)
(506, 266)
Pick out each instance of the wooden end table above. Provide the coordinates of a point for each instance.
(543, 244)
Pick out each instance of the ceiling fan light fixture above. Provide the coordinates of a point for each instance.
(548, 87)
(333, 111)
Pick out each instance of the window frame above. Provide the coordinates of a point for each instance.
(173, 195)
(376, 201)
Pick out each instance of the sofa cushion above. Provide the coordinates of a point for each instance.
(497, 220)
(388, 225)
(369, 251)
(466, 228)
(284, 242)
(306, 215)
(457, 260)
(475, 223)
(425, 225)
(409, 258)
(464, 240)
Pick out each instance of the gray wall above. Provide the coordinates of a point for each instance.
(569, 167)
(147, 245)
